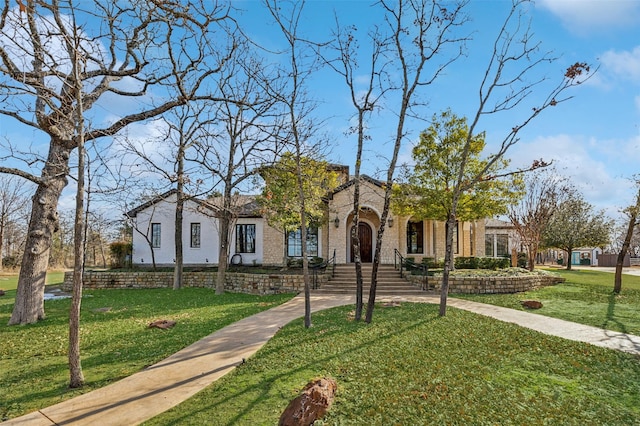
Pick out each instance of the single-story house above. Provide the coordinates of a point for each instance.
(254, 241)
(585, 256)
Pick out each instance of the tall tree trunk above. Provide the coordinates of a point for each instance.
(448, 263)
(569, 251)
(532, 251)
(633, 216)
(355, 238)
(29, 303)
(76, 377)
(177, 268)
(223, 257)
(2, 227)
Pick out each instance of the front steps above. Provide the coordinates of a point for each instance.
(390, 283)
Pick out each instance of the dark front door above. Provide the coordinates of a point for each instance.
(365, 234)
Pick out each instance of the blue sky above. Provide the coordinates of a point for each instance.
(593, 139)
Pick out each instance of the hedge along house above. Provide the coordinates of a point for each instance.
(254, 241)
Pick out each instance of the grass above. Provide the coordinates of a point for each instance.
(408, 367)
(586, 297)
(115, 341)
(411, 367)
(9, 280)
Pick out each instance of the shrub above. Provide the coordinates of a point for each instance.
(432, 263)
(120, 253)
(523, 260)
(473, 262)
(11, 262)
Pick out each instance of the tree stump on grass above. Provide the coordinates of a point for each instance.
(531, 304)
(162, 324)
(314, 402)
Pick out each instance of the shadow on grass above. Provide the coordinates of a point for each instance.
(261, 389)
(611, 315)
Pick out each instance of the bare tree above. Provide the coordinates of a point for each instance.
(365, 101)
(12, 201)
(631, 213)
(100, 231)
(507, 81)
(61, 252)
(78, 66)
(241, 137)
(164, 48)
(301, 62)
(420, 32)
(171, 157)
(146, 231)
(544, 191)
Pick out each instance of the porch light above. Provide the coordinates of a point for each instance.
(336, 221)
(390, 222)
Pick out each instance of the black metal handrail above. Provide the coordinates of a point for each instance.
(323, 266)
(400, 262)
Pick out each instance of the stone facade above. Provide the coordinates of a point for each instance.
(489, 285)
(290, 283)
(236, 282)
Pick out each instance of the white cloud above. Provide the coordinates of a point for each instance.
(585, 16)
(624, 64)
(580, 160)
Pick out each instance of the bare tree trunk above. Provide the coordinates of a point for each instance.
(29, 305)
(358, 263)
(75, 366)
(223, 257)
(76, 377)
(532, 252)
(448, 264)
(2, 228)
(633, 216)
(617, 284)
(177, 268)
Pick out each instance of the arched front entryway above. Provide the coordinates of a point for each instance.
(365, 234)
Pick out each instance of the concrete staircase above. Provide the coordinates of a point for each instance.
(389, 281)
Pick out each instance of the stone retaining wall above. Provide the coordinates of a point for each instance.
(489, 285)
(284, 283)
(236, 282)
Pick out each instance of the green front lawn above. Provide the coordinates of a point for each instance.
(586, 297)
(9, 281)
(115, 339)
(410, 367)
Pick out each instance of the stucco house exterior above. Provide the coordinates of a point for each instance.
(254, 241)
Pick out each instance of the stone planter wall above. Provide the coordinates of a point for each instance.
(489, 285)
(236, 282)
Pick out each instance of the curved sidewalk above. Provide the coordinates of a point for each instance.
(164, 385)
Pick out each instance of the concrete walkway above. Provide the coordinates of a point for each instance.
(164, 385)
